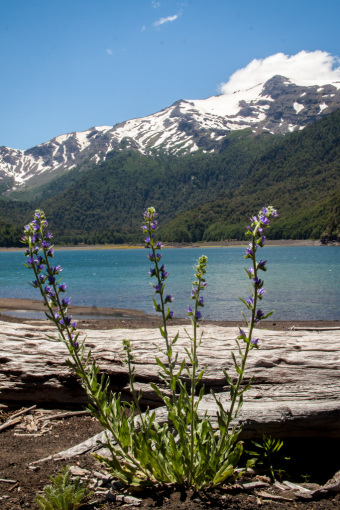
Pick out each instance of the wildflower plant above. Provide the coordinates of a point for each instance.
(187, 449)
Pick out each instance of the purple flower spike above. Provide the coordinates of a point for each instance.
(189, 310)
(198, 315)
(168, 299)
(255, 341)
(152, 272)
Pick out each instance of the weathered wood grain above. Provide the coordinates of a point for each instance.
(296, 390)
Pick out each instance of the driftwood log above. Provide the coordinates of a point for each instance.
(296, 390)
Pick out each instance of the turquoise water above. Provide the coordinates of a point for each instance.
(302, 283)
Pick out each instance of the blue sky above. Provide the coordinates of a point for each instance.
(68, 65)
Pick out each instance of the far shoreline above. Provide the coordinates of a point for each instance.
(203, 245)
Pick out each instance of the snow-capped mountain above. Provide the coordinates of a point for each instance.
(276, 106)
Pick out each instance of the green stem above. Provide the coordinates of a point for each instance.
(74, 354)
(193, 386)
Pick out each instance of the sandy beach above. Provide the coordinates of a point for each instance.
(114, 318)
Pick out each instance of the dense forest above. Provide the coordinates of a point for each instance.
(199, 197)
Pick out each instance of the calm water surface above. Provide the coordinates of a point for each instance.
(302, 283)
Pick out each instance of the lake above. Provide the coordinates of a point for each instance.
(302, 283)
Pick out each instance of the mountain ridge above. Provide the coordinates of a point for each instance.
(277, 106)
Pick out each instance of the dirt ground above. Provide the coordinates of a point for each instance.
(38, 435)
(33, 439)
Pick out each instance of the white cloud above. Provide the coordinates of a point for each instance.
(143, 28)
(304, 68)
(161, 21)
(155, 4)
(109, 51)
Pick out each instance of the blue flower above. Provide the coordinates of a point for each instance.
(259, 315)
(65, 302)
(250, 302)
(250, 272)
(261, 265)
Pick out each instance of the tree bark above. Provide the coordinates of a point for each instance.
(295, 392)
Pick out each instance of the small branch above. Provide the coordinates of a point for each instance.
(64, 415)
(13, 420)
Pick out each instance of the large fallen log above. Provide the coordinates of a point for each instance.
(295, 392)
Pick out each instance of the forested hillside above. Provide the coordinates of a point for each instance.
(300, 177)
(199, 197)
